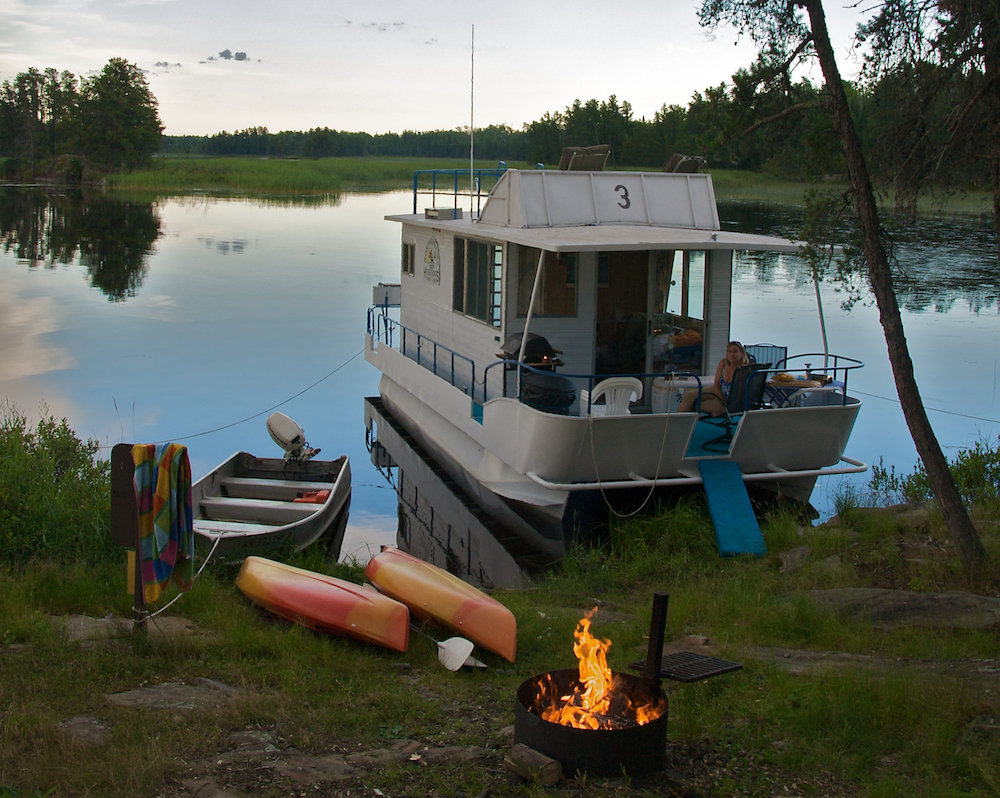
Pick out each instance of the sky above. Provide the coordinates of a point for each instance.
(384, 65)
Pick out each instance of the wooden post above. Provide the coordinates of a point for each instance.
(657, 630)
(125, 523)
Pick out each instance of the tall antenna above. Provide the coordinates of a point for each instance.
(472, 125)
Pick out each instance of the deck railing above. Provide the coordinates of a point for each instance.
(458, 370)
(456, 183)
(507, 378)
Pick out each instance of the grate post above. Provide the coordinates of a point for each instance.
(657, 630)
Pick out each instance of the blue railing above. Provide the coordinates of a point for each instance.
(511, 375)
(458, 370)
(478, 183)
(506, 377)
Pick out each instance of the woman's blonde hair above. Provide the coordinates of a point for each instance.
(744, 358)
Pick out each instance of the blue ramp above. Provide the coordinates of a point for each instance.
(736, 527)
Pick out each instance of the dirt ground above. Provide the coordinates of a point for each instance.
(259, 762)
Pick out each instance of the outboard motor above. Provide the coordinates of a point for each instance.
(290, 437)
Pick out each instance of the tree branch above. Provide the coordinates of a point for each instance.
(792, 109)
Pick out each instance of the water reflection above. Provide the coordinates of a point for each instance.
(943, 262)
(111, 237)
(441, 524)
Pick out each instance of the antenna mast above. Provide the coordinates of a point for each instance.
(472, 125)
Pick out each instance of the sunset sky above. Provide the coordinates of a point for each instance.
(384, 65)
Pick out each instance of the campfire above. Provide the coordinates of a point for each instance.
(600, 699)
(591, 718)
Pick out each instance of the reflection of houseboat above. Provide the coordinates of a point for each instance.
(621, 274)
(486, 546)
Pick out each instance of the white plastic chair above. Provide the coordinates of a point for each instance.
(618, 393)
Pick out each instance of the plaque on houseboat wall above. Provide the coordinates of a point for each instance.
(432, 262)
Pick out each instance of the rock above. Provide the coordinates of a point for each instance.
(86, 730)
(914, 519)
(793, 559)
(830, 565)
(83, 629)
(222, 687)
(169, 695)
(310, 770)
(453, 753)
(378, 758)
(895, 609)
(256, 742)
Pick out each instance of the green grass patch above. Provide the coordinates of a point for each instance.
(881, 730)
(322, 176)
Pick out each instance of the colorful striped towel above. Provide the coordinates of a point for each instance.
(166, 519)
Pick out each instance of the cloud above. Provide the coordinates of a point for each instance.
(379, 27)
(228, 55)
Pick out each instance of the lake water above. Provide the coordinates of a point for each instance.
(200, 315)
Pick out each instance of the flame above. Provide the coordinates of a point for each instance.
(589, 705)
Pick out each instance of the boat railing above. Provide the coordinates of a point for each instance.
(507, 378)
(571, 393)
(524, 382)
(458, 370)
(822, 366)
(455, 183)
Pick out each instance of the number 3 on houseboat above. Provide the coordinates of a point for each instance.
(625, 203)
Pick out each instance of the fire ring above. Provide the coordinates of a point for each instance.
(599, 752)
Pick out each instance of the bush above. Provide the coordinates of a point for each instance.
(55, 494)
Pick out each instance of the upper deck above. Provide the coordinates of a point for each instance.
(563, 211)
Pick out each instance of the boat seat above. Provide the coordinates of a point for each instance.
(231, 527)
(746, 393)
(221, 508)
(618, 393)
(585, 159)
(280, 489)
(767, 353)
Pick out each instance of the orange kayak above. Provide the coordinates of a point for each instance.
(434, 594)
(323, 602)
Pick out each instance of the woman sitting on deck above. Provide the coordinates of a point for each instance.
(716, 395)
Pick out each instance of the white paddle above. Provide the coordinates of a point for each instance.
(453, 652)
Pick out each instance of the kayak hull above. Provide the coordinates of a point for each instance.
(325, 603)
(434, 594)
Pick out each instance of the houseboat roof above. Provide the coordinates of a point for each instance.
(563, 211)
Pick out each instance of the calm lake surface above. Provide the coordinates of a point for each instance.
(192, 318)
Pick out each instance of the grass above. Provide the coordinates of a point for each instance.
(325, 177)
(879, 732)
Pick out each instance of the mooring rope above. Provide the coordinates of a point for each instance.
(652, 487)
(256, 415)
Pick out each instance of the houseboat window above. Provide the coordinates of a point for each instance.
(621, 326)
(409, 258)
(557, 293)
(478, 272)
(679, 312)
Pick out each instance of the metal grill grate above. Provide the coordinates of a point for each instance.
(686, 666)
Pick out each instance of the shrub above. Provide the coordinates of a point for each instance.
(54, 494)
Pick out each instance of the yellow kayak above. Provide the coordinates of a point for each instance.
(323, 602)
(432, 593)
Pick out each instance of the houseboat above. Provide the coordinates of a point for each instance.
(537, 346)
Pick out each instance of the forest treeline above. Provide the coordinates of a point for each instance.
(759, 121)
(74, 130)
(785, 131)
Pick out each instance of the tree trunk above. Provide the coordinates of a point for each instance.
(957, 519)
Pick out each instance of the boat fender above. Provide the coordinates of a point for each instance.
(313, 497)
